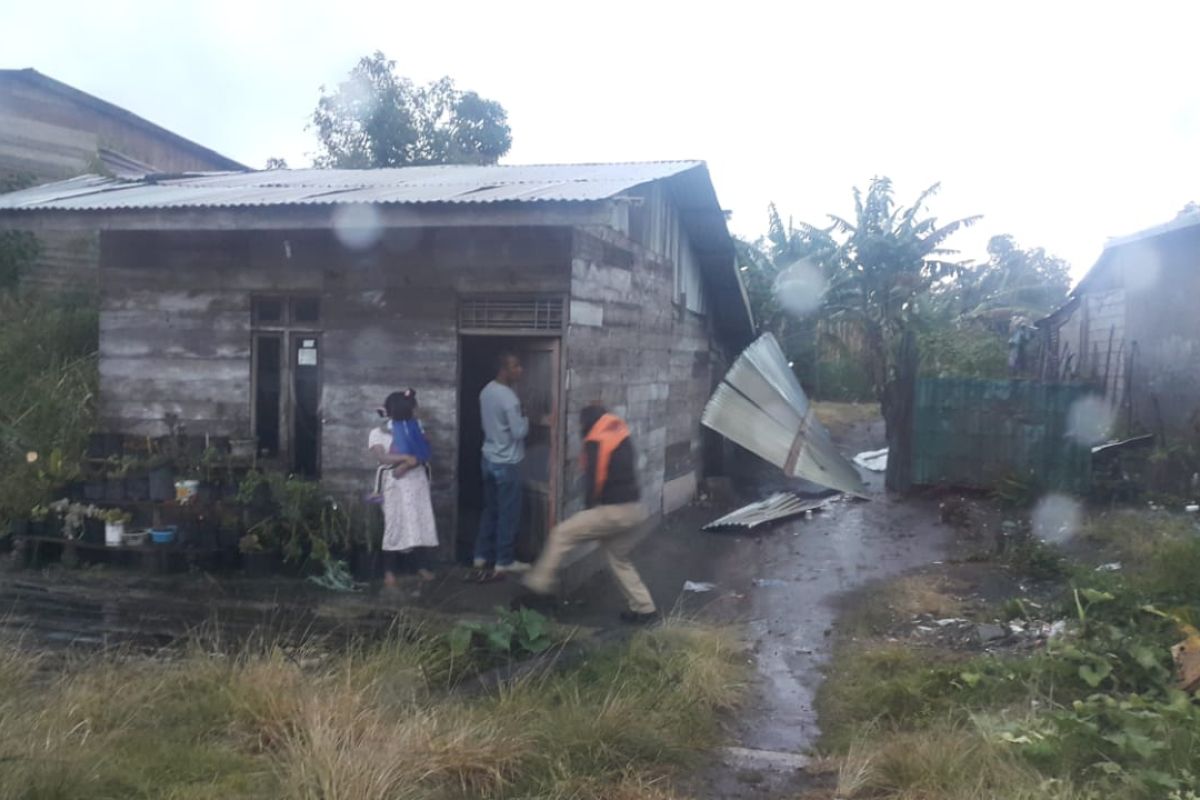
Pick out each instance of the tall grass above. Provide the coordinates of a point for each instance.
(373, 722)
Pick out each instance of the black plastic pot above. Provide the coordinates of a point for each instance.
(162, 484)
(18, 527)
(93, 531)
(114, 490)
(137, 488)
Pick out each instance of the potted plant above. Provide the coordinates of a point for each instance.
(38, 517)
(76, 518)
(161, 478)
(137, 481)
(115, 520)
(257, 560)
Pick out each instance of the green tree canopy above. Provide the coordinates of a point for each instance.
(376, 118)
(1015, 281)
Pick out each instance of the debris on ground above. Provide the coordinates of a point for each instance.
(776, 507)
(990, 632)
(873, 460)
(769, 582)
(759, 405)
(956, 633)
(1112, 566)
(698, 586)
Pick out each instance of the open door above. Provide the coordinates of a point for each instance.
(538, 390)
(539, 397)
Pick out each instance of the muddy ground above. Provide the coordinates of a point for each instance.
(784, 583)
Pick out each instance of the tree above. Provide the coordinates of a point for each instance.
(881, 268)
(376, 118)
(276, 163)
(1015, 282)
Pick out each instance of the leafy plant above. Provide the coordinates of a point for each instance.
(514, 632)
(116, 516)
(295, 516)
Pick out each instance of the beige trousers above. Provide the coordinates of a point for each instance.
(614, 529)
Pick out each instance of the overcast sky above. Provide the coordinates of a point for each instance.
(1060, 126)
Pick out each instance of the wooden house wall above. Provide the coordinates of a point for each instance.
(1162, 282)
(175, 332)
(633, 348)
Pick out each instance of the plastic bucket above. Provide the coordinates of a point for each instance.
(162, 535)
(114, 533)
(185, 491)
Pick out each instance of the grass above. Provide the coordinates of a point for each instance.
(1095, 713)
(840, 417)
(376, 721)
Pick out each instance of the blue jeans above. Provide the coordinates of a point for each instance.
(501, 513)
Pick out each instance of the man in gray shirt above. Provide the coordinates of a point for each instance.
(504, 430)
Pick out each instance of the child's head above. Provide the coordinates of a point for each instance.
(400, 406)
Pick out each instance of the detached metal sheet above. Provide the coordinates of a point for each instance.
(776, 507)
(760, 406)
(407, 185)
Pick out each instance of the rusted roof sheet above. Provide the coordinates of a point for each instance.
(406, 185)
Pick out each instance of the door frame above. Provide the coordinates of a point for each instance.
(553, 343)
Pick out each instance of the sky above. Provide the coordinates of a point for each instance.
(1061, 124)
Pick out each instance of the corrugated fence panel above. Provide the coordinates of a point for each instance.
(973, 433)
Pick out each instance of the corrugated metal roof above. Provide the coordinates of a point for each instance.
(776, 507)
(760, 406)
(407, 185)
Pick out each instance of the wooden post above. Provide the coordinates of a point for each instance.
(899, 397)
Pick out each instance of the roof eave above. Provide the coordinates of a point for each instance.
(311, 216)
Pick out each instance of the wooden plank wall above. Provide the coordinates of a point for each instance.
(175, 328)
(630, 347)
(1162, 332)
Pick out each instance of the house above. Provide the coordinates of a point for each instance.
(50, 131)
(285, 305)
(1131, 327)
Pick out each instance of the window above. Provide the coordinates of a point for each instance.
(287, 381)
(267, 310)
(306, 310)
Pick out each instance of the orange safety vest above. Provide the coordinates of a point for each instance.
(608, 433)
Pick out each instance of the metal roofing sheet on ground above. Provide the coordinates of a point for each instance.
(776, 507)
(433, 184)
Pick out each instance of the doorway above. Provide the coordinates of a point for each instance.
(539, 389)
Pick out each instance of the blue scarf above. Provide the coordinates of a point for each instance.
(409, 440)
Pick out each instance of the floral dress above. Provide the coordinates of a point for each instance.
(407, 508)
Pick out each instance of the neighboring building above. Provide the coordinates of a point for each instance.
(1131, 327)
(50, 131)
(285, 305)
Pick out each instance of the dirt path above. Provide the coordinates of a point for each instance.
(783, 585)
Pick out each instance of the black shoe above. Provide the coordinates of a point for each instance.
(637, 618)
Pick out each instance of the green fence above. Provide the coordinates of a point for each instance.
(973, 433)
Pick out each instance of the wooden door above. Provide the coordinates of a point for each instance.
(541, 471)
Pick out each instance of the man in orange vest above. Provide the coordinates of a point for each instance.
(613, 513)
